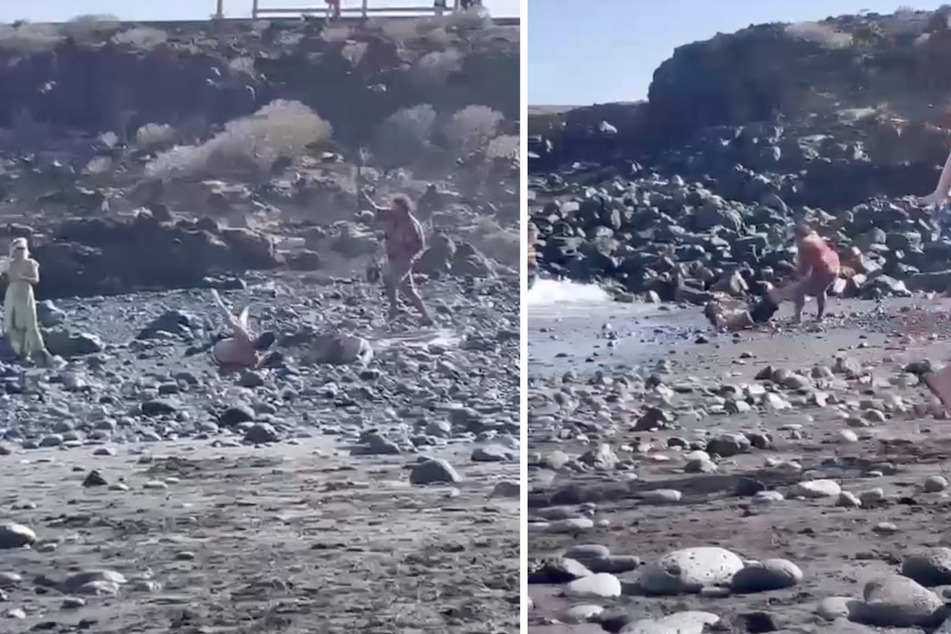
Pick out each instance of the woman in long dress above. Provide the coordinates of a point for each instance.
(19, 303)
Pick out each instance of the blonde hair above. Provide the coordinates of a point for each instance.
(402, 201)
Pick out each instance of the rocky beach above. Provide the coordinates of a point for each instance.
(787, 478)
(330, 490)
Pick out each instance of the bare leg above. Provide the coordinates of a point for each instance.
(799, 301)
(821, 304)
(940, 194)
(391, 283)
(409, 290)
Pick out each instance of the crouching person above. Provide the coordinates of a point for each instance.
(20, 324)
(818, 269)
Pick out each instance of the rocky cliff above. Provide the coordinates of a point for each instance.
(118, 137)
(744, 133)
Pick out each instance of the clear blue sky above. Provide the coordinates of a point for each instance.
(63, 10)
(577, 56)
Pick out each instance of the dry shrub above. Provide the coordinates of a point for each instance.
(822, 34)
(98, 165)
(439, 38)
(476, 17)
(906, 21)
(505, 147)
(249, 144)
(401, 31)
(405, 134)
(154, 134)
(141, 37)
(336, 33)
(435, 67)
(921, 41)
(92, 29)
(495, 241)
(353, 52)
(30, 38)
(242, 65)
(472, 128)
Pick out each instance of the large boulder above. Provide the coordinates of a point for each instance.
(91, 256)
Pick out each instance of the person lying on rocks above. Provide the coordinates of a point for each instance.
(236, 351)
(404, 241)
(818, 270)
(19, 304)
(240, 350)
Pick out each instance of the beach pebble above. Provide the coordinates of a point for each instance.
(689, 570)
(600, 585)
(833, 608)
(935, 484)
(437, 471)
(897, 601)
(772, 574)
(582, 613)
(690, 622)
(570, 525)
(814, 489)
(13, 535)
(929, 567)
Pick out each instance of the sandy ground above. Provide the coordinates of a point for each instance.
(287, 538)
(837, 548)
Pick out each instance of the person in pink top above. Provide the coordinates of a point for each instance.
(818, 270)
(404, 240)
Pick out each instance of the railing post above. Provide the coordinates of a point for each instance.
(254, 9)
(365, 9)
(220, 10)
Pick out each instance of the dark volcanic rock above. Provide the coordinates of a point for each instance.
(173, 79)
(744, 135)
(106, 256)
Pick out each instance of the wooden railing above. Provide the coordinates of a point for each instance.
(363, 11)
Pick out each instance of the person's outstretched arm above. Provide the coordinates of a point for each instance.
(940, 194)
(377, 208)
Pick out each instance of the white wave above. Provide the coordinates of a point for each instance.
(558, 292)
(421, 339)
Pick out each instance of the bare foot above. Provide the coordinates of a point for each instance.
(931, 199)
